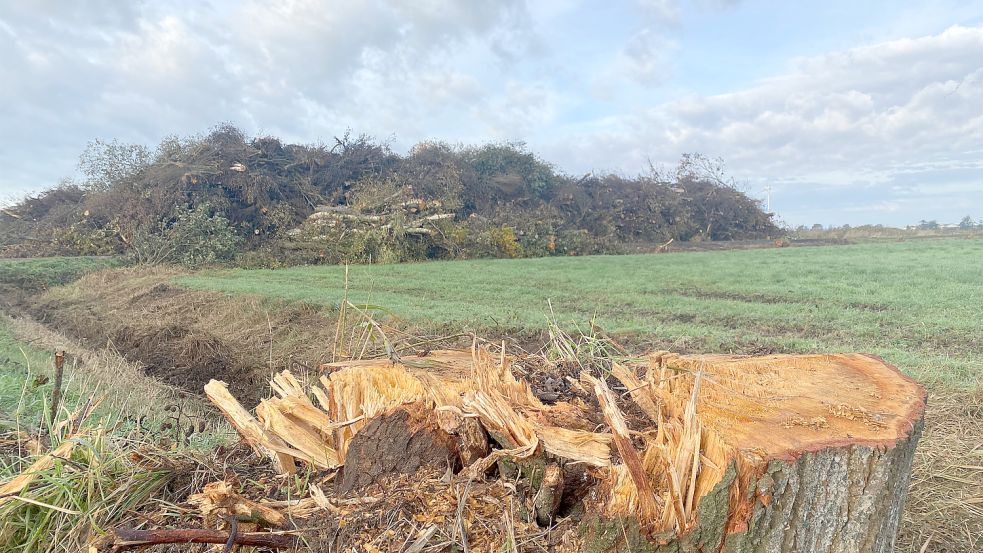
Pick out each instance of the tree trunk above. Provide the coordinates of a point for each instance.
(844, 499)
(678, 453)
(818, 454)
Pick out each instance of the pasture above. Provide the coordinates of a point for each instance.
(917, 304)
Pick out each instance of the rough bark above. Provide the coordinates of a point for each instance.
(820, 482)
(835, 500)
(399, 442)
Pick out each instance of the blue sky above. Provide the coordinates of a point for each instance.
(852, 112)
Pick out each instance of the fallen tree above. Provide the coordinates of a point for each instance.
(664, 453)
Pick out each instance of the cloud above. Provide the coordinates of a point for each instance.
(867, 115)
(304, 69)
(664, 11)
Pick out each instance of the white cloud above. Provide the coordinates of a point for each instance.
(864, 115)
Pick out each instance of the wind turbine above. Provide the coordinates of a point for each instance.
(767, 190)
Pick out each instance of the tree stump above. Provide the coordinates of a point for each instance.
(684, 453)
(802, 453)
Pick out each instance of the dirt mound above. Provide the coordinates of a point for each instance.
(178, 355)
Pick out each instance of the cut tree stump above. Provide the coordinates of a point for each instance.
(684, 453)
(798, 453)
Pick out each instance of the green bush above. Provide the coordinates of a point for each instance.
(504, 242)
(85, 238)
(192, 237)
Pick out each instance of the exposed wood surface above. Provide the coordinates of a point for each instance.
(217, 501)
(786, 405)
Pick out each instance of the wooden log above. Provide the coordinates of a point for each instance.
(130, 538)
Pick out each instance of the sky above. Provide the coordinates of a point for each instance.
(849, 112)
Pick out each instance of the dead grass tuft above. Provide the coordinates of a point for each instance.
(944, 512)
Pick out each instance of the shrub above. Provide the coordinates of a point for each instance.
(85, 238)
(505, 242)
(192, 237)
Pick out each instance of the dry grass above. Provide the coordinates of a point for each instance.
(944, 512)
(185, 339)
(142, 404)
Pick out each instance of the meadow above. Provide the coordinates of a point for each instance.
(33, 274)
(915, 303)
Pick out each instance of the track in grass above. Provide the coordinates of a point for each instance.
(916, 304)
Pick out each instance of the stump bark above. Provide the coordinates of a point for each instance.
(684, 453)
(397, 442)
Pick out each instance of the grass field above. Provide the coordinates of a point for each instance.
(32, 274)
(917, 304)
(23, 400)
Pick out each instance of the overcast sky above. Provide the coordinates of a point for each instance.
(852, 112)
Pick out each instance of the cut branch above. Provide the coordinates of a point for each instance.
(130, 538)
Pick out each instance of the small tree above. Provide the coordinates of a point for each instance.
(967, 223)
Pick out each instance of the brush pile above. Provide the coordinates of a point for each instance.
(249, 195)
(450, 449)
(379, 227)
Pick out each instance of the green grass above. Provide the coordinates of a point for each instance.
(23, 402)
(27, 382)
(96, 488)
(33, 274)
(917, 304)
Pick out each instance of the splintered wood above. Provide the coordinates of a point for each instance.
(674, 443)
